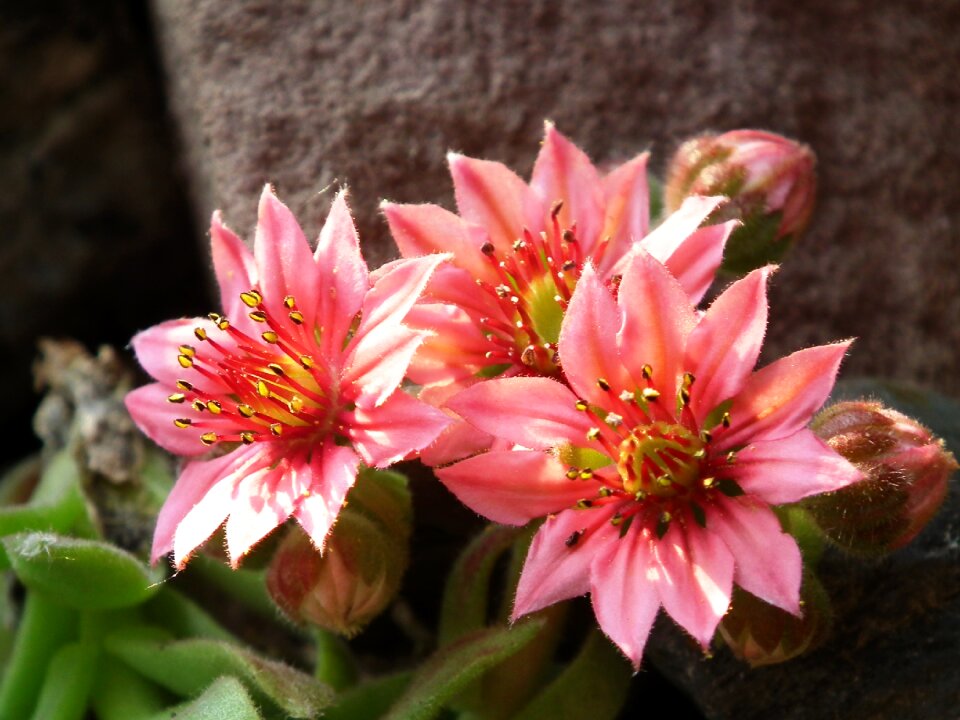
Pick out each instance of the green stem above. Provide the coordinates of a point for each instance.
(44, 627)
(69, 678)
(122, 694)
(335, 663)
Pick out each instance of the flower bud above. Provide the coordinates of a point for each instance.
(769, 179)
(762, 634)
(905, 467)
(359, 571)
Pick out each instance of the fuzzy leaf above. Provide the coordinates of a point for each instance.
(370, 700)
(225, 699)
(455, 666)
(85, 574)
(188, 666)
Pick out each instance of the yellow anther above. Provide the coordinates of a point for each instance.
(684, 395)
(584, 504)
(289, 302)
(296, 404)
(706, 436)
(603, 384)
(650, 394)
(700, 454)
(247, 437)
(616, 519)
(183, 422)
(187, 350)
(306, 361)
(223, 323)
(208, 438)
(262, 389)
(688, 379)
(275, 369)
(185, 361)
(708, 482)
(296, 317)
(184, 385)
(664, 481)
(573, 473)
(580, 405)
(593, 433)
(176, 398)
(245, 410)
(731, 456)
(725, 420)
(647, 371)
(276, 429)
(214, 407)
(586, 474)
(215, 317)
(200, 333)
(270, 337)
(605, 492)
(199, 405)
(257, 316)
(251, 298)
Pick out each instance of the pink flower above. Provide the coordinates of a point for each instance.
(657, 467)
(519, 249)
(277, 403)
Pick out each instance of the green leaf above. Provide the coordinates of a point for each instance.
(121, 694)
(454, 667)
(182, 616)
(594, 685)
(186, 667)
(466, 595)
(370, 700)
(66, 687)
(86, 574)
(225, 699)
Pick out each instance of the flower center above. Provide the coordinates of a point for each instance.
(274, 385)
(661, 459)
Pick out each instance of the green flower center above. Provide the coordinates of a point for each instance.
(660, 459)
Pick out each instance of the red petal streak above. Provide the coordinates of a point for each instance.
(695, 262)
(556, 570)
(786, 470)
(780, 398)
(534, 412)
(513, 486)
(723, 349)
(768, 562)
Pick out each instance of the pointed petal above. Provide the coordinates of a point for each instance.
(283, 256)
(657, 318)
(341, 275)
(768, 562)
(535, 412)
(670, 235)
(379, 362)
(723, 349)
(490, 195)
(786, 470)
(334, 470)
(390, 299)
(696, 579)
(588, 341)
(233, 265)
(263, 500)
(780, 398)
(555, 568)
(627, 200)
(154, 415)
(390, 432)
(157, 351)
(696, 261)
(453, 349)
(512, 486)
(623, 579)
(563, 172)
(426, 229)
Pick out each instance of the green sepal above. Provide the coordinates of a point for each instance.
(225, 699)
(454, 667)
(186, 667)
(595, 685)
(755, 244)
(85, 574)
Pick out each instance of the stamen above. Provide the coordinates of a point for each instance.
(650, 394)
(208, 438)
(187, 350)
(247, 437)
(185, 361)
(584, 504)
(647, 371)
(245, 410)
(276, 429)
(200, 333)
(214, 407)
(603, 384)
(199, 405)
(251, 298)
(257, 316)
(306, 361)
(289, 302)
(573, 473)
(184, 385)
(580, 405)
(183, 422)
(270, 337)
(296, 317)
(176, 398)
(574, 538)
(275, 369)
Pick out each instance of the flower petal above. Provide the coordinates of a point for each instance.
(535, 412)
(723, 349)
(673, 232)
(657, 318)
(556, 568)
(157, 349)
(454, 348)
(786, 470)
(284, 259)
(768, 562)
(564, 172)
(341, 275)
(490, 195)
(234, 267)
(588, 341)
(623, 579)
(779, 399)
(696, 579)
(696, 261)
(512, 486)
(627, 200)
(334, 471)
(379, 362)
(154, 415)
(390, 432)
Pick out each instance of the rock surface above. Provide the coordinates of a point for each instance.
(373, 94)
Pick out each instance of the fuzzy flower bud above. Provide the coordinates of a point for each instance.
(358, 573)
(762, 634)
(906, 470)
(769, 179)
